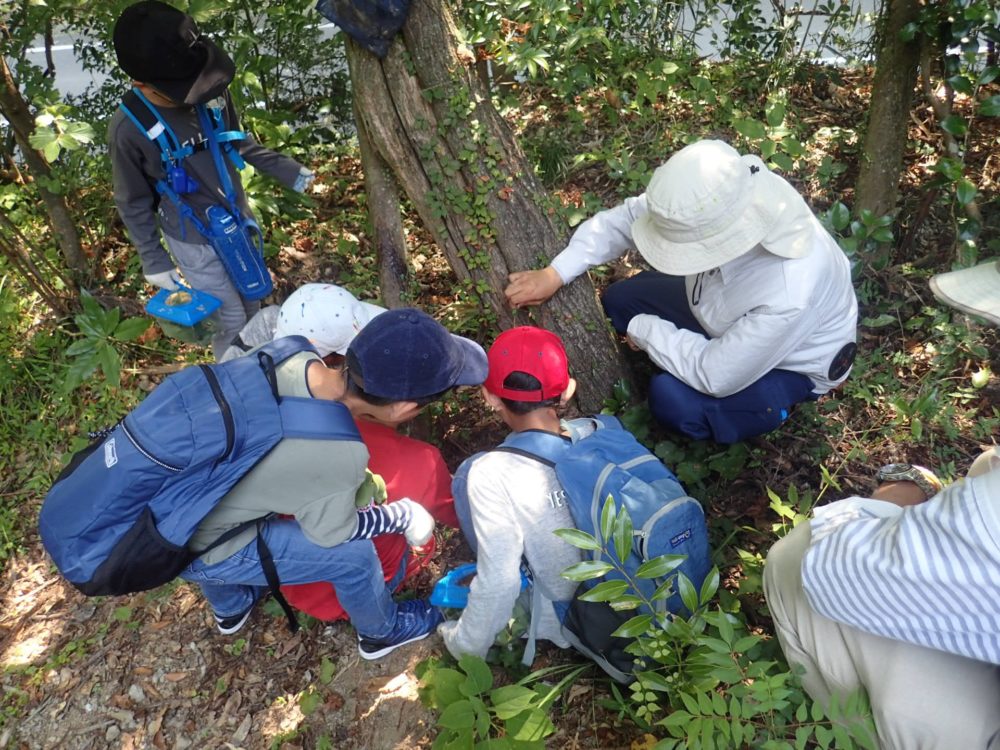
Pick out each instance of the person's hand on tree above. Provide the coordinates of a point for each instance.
(532, 287)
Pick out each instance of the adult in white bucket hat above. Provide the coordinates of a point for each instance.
(750, 309)
(896, 594)
(326, 314)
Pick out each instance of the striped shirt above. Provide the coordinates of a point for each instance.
(927, 574)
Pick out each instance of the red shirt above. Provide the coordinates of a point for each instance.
(411, 468)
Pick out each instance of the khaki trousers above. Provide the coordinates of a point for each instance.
(921, 699)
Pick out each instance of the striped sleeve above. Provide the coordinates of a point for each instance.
(928, 574)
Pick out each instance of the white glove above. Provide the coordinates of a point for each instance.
(165, 279)
(421, 527)
(303, 180)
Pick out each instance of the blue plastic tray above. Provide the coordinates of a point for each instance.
(184, 306)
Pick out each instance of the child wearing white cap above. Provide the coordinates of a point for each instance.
(326, 314)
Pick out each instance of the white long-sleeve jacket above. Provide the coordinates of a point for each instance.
(761, 311)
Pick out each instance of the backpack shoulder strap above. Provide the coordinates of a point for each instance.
(526, 454)
(317, 419)
(537, 444)
(147, 118)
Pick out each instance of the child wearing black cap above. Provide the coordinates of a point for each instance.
(509, 505)
(175, 67)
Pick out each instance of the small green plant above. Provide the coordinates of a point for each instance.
(102, 331)
(705, 680)
(236, 648)
(474, 712)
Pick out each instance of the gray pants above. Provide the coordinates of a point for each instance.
(921, 699)
(204, 271)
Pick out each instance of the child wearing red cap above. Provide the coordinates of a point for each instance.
(509, 504)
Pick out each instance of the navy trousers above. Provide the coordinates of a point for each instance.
(757, 409)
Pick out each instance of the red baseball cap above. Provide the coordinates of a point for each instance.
(534, 351)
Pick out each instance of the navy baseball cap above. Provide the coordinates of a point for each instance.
(405, 354)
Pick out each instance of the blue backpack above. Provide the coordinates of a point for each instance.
(610, 461)
(120, 515)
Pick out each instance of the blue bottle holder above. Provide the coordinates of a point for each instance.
(452, 591)
(184, 313)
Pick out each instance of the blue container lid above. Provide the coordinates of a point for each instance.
(184, 306)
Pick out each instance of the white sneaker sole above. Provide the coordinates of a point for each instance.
(372, 655)
(237, 627)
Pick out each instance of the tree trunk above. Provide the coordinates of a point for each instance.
(385, 215)
(15, 110)
(430, 118)
(889, 118)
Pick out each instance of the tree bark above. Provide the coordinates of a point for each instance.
(430, 118)
(385, 215)
(889, 117)
(15, 110)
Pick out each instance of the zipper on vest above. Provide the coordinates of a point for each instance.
(227, 412)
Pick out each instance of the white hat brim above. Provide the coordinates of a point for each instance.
(975, 291)
(776, 218)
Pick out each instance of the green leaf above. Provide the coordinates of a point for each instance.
(579, 539)
(132, 328)
(309, 701)
(531, 725)
(783, 161)
(961, 84)
(750, 129)
(709, 586)
(480, 678)
(608, 519)
(444, 686)
(664, 590)
(990, 107)
(909, 32)
(111, 363)
(83, 346)
(965, 191)
(840, 216)
(587, 570)
(775, 114)
(623, 535)
(954, 125)
(326, 671)
(882, 234)
(510, 700)
(677, 718)
(626, 602)
(687, 591)
(988, 76)
(659, 566)
(879, 321)
(459, 715)
(633, 627)
(605, 591)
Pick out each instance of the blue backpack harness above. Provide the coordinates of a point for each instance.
(236, 239)
(119, 517)
(666, 521)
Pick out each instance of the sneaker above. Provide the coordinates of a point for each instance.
(234, 623)
(415, 619)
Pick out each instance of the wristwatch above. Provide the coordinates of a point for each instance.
(925, 479)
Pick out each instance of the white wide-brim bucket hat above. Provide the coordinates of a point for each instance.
(326, 314)
(707, 205)
(975, 290)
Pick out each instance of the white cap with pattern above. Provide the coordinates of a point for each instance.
(326, 314)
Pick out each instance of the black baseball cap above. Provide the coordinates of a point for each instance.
(159, 45)
(405, 354)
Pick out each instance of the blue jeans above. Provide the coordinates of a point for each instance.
(757, 409)
(233, 584)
